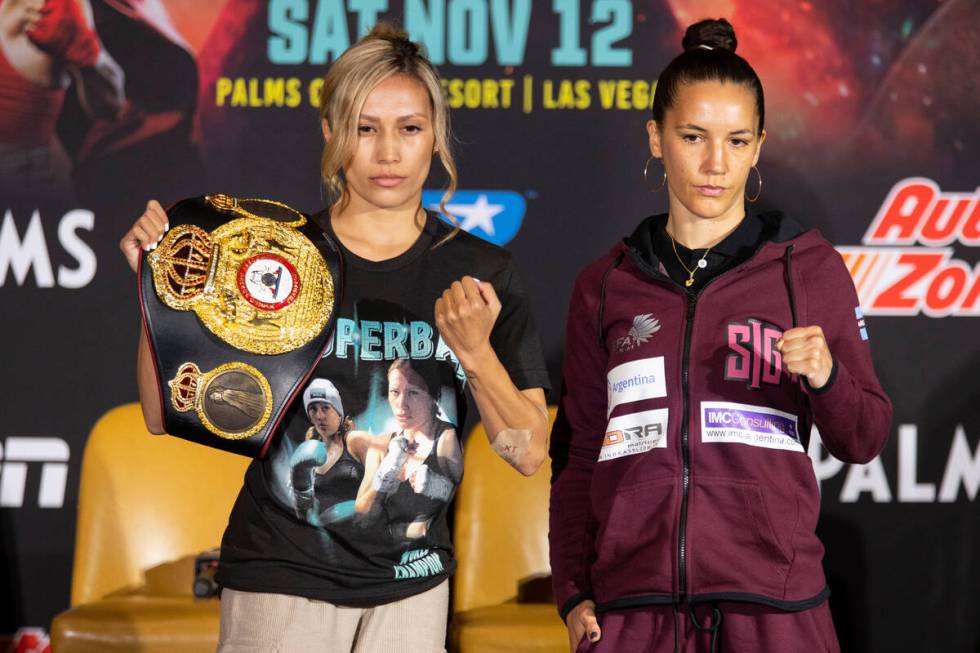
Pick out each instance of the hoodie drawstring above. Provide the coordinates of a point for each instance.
(791, 291)
(788, 278)
(714, 628)
(600, 328)
(673, 608)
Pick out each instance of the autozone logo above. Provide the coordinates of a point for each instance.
(49, 456)
(893, 276)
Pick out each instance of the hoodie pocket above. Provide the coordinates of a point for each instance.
(635, 540)
(732, 545)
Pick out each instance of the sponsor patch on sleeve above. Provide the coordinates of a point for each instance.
(757, 426)
(635, 381)
(862, 326)
(635, 433)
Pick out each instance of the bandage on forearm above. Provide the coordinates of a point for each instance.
(512, 444)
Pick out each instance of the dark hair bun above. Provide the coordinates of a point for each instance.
(715, 34)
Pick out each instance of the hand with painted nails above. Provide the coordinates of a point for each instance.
(805, 352)
(582, 622)
(145, 234)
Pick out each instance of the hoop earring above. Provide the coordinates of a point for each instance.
(758, 192)
(646, 182)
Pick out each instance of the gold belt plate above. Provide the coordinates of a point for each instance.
(257, 284)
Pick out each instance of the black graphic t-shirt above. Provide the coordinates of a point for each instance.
(350, 504)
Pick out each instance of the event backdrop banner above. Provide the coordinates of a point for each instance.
(873, 136)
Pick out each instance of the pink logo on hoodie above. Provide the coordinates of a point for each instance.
(753, 358)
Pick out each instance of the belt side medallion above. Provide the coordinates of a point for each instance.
(233, 401)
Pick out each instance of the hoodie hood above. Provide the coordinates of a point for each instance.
(781, 237)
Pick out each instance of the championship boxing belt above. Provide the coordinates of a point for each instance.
(238, 301)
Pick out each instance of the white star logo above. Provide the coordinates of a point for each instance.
(478, 214)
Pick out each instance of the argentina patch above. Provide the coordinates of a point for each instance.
(756, 426)
(635, 433)
(635, 381)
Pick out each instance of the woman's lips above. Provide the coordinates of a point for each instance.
(387, 181)
(710, 191)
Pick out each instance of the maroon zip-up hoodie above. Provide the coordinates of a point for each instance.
(680, 471)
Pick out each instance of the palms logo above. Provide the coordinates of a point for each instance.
(493, 215)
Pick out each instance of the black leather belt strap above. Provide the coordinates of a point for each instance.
(238, 302)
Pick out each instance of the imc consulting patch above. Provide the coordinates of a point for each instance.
(756, 426)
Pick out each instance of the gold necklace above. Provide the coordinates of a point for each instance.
(702, 263)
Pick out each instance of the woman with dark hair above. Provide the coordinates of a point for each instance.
(700, 351)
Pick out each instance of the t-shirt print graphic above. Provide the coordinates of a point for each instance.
(372, 456)
(351, 504)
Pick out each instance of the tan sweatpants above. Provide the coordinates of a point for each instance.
(255, 622)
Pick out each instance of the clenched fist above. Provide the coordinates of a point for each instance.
(465, 315)
(805, 352)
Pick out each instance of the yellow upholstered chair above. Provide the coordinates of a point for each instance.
(501, 539)
(147, 506)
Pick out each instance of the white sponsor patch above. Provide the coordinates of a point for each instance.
(757, 426)
(636, 380)
(634, 433)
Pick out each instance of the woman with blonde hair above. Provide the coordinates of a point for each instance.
(417, 289)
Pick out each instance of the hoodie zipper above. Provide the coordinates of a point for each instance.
(692, 302)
